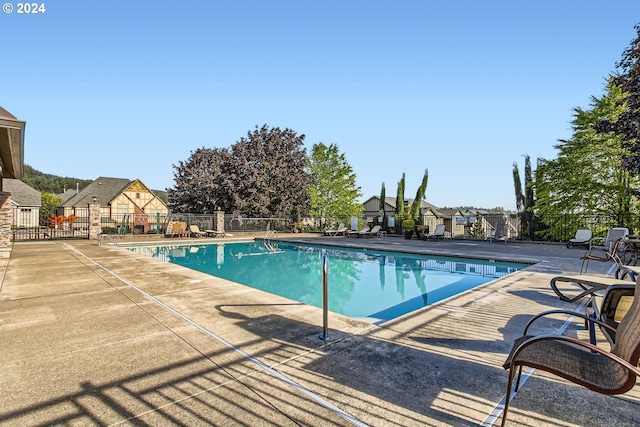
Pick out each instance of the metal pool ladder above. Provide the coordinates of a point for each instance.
(103, 236)
(273, 247)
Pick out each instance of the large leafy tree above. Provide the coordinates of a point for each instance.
(262, 175)
(589, 175)
(201, 182)
(333, 192)
(626, 124)
(268, 171)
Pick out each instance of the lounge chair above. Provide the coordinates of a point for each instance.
(214, 233)
(341, 230)
(375, 231)
(583, 237)
(176, 228)
(501, 232)
(588, 283)
(437, 234)
(609, 251)
(607, 372)
(195, 231)
(354, 233)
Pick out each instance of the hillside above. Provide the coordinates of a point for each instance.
(45, 182)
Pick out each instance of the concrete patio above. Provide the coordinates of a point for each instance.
(98, 335)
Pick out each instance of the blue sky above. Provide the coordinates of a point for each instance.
(462, 88)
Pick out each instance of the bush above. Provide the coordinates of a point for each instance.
(408, 224)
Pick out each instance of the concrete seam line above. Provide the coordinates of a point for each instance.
(499, 408)
(247, 356)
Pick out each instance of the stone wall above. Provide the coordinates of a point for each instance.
(95, 228)
(5, 220)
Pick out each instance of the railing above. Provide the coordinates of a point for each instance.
(103, 236)
(273, 247)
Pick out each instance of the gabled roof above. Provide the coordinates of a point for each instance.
(104, 189)
(391, 201)
(22, 194)
(11, 145)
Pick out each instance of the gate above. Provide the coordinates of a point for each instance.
(77, 228)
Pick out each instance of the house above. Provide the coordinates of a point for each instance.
(430, 215)
(123, 204)
(11, 167)
(25, 203)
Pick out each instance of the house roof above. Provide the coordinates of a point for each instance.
(22, 194)
(104, 188)
(439, 212)
(11, 145)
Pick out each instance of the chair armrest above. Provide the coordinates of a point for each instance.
(586, 317)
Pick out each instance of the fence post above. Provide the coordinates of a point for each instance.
(325, 299)
(95, 228)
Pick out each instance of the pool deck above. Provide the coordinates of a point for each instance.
(98, 335)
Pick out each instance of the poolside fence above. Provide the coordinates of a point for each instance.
(482, 227)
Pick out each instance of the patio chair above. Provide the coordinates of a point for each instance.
(582, 237)
(616, 302)
(609, 251)
(501, 232)
(375, 231)
(353, 233)
(589, 284)
(580, 362)
(341, 230)
(214, 233)
(438, 233)
(195, 231)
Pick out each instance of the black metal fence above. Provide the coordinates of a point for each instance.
(76, 229)
(521, 227)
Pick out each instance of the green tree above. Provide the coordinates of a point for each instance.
(400, 203)
(54, 184)
(625, 123)
(383, 203)
(49, 204)
(333, 192)
(589, 175)
(262, 175)
(422, 189)
(517, 183)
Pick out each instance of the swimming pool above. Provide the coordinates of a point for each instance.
(372, 285)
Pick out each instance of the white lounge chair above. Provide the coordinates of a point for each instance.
(341, 230)
(583, 237)
(195, 231)
(353, 233)
(437, 234)
(375, 231)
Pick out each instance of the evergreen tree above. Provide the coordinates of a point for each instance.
(400, 201)
(422, 189)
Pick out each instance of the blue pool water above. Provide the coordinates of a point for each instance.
(367, 284)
